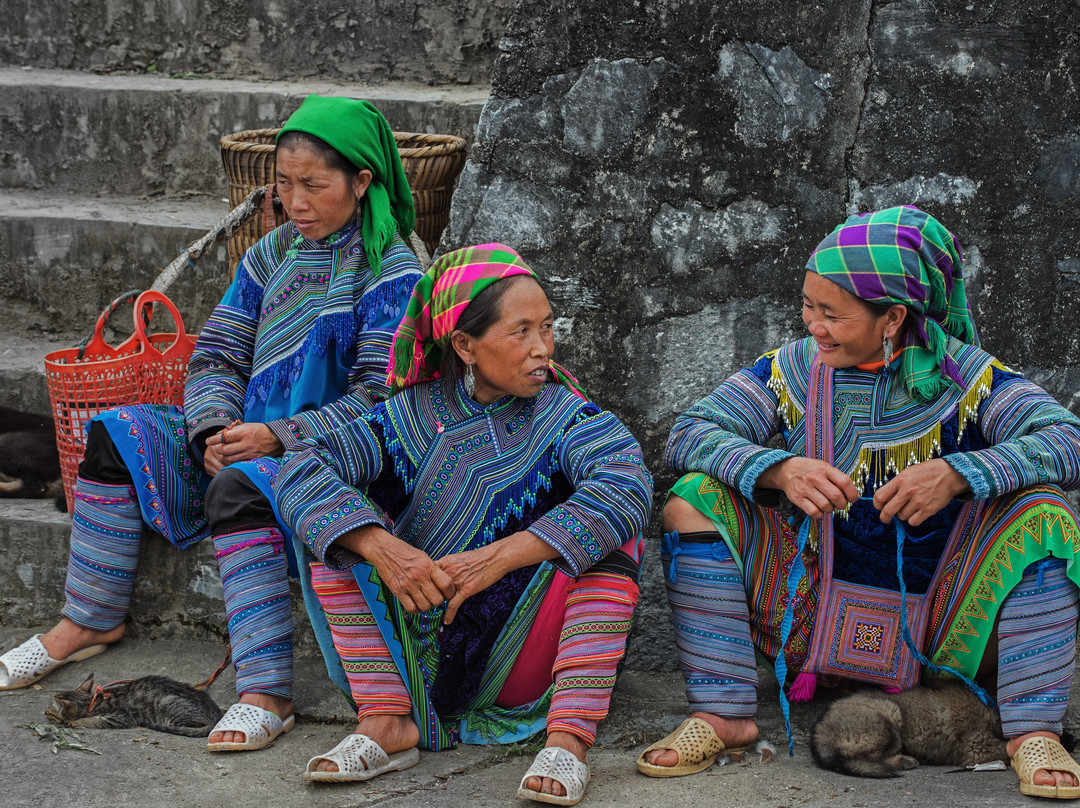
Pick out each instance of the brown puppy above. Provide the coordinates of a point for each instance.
(876, 734)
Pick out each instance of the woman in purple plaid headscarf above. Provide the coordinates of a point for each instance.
(888, 414)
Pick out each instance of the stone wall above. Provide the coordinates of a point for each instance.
(452, 41)
(668, 166)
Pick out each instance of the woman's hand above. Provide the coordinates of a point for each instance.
(812, 486)
(471, 571)
(235, 444)
(920, 491)
(410, 574)
(475, 570)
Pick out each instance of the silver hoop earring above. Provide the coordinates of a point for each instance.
(887, 349)
(470, 381)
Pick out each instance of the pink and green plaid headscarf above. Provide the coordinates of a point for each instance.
(438, 301)
(903, 255)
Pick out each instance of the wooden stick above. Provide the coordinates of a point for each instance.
(236, 217)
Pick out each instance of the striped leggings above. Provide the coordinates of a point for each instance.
(106, 534)
(597, 621)
(1038, 621)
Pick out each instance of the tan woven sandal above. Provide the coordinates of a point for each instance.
(1040, 752)
(697, 746)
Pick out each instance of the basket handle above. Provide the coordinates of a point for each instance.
(146, 301)
(95, 343)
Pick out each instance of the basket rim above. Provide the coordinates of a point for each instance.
(433, 145)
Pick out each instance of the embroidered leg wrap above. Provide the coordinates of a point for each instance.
(599, 611)
(1036, 648)
(376, 686)
(254, 575)
(106, 531)
(712, 624)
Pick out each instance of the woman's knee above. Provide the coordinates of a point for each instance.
(234, 502)
(682, 517)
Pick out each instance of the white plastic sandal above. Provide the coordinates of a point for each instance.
(260, 728)
(562, 766)
(22, 666)
(360, 758)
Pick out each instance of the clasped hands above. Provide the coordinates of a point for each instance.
(913, 495)
(421, 583)
(239, 442)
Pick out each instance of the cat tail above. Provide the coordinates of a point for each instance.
(189, 732)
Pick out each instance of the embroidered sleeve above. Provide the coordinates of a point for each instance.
(380, 310)
(1032, 440)
(724, 434)
(338, 482)
(612, 497)
(220, 365)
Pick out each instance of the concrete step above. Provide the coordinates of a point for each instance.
(412, 40)
(177, 595)
(69, 256)
(96, 136)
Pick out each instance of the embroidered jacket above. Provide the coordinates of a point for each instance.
(447, 474)
(301, 339)
(1001, 433)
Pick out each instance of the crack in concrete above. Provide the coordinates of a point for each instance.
(868, 57)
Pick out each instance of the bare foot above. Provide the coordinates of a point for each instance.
(394, 733)
(67, 637)
(282, 708)
(572, 744)
(734, 732)
(1043, 777)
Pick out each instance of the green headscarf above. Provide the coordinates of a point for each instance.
(904, 255)
(360, 132)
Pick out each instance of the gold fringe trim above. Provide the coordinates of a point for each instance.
(878, 464)
(785, 407)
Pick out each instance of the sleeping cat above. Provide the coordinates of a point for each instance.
(29, 460)
(875, 734)
(154, 702)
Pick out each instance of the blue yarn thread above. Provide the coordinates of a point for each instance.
(984, 697)
(794, 576)
(796, 573)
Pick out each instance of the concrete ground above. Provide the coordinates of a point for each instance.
(139, 767)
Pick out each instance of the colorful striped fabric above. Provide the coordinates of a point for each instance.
(599, 615)
(712, 626)
(320, 369)
(1010, 440)
(1038, 621)
(300, 340)
(374, 682)
(448, 475)
(106, 534)
(259, 610)
(903, 255)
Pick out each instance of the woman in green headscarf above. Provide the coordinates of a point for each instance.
(909, 450)
(297, 346)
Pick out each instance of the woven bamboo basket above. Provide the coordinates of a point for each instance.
(432, 164)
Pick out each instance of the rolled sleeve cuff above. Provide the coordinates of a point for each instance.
(287, 431)
(978, 477)
(577, 547)
(757, 465)
(321, 531)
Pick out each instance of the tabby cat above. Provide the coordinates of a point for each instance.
(154, 702)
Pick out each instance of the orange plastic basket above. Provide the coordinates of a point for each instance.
(86, 381)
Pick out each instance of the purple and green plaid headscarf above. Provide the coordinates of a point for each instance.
(903, 255)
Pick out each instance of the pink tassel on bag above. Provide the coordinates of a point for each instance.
(802, 689)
